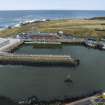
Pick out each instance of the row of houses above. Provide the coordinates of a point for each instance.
(46, 37)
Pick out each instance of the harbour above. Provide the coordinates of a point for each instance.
(10, 44)
(42, 39)
(50, 66)
(40, 76)
(21, 53)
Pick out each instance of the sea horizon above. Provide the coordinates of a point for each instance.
(13, 17)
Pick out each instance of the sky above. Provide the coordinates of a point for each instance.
(52, 4)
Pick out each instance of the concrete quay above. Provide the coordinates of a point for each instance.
(8, 58)
(8, 44)
(72, 41)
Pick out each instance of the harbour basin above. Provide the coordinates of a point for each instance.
(47, 83)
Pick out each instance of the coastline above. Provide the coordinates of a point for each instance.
(91, 27)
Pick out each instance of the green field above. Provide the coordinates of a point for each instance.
(81, 28)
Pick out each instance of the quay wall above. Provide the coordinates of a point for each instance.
(38, 59)
(57, 42)
(72, 41)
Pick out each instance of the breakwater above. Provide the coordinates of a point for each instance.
(44, 44)
(22, 59)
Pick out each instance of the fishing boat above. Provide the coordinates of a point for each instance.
(92, 43)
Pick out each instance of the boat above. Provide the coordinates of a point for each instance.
(68, 79)
(103, 48)
(92, 43)
(101, 45)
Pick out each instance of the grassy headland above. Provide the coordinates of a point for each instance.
(77, 27)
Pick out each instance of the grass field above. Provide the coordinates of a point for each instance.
(81, 28)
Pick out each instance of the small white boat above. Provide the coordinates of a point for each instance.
(68, 79)
(103, 48)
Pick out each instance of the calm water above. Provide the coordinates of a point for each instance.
(14, 17)
(48, 82)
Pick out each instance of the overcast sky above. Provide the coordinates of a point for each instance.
(52, 4)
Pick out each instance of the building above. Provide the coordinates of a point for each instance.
(42, 37)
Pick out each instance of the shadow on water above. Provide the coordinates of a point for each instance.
(39, 64)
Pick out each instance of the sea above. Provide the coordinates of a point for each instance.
(47, 83)
(8, 18)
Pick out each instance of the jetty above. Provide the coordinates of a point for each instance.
(23, 59)
(72, 41)
(43, 43)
